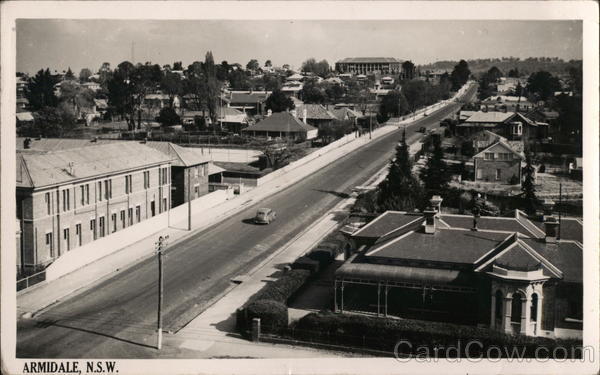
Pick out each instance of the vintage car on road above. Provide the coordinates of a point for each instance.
(264, 216)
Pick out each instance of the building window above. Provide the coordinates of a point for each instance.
(67, 238)
(479, 174)
(196, 190)
(489, 156)
(146, 179)
(138, 214)
(534, 307)
(108, 189)
(113, 218)
(82, 195)
(93, 228)
(123, 218)
(66, 200)
(101, 227)
(130, 215)
(48, 203)
(78, 233)
(498, 174)
(87, 193)
(128, 184)
(498, 312)
(49, 244)
(99, 190)
(165, 207)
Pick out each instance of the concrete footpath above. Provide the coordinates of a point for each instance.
(40, 296)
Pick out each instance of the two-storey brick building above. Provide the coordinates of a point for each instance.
(66, 199)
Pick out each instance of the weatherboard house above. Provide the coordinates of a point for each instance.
(513, 274)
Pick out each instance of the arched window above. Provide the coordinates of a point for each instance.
(534, 307)
(517, 306)
(498, 312)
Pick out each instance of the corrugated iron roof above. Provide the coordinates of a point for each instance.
(60, 167)
(280, 122)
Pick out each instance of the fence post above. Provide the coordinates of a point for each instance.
(256, 329)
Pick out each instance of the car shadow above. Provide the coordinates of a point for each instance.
(249, 221)
(336, 193)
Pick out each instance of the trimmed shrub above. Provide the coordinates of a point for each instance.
(384, 334)
(273, 315)
(306, 263)
(272, 297)
(324, 257)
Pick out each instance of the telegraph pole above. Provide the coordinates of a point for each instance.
(189, 200)
(161, 245)
(559, 209)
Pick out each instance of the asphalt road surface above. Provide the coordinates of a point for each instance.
(116, 318)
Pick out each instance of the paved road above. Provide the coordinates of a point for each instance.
(116, 318)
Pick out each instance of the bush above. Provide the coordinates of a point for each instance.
(324, 257)
(384, 334)
(272, 297)
(273, 315)
(306, 263)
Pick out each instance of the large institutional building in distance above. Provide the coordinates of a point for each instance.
(365, 65)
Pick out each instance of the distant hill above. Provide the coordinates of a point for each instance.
(527, 66)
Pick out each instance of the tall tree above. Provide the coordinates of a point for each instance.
(213, 87)
(312, 93)
(543, 84)
(268, 63)
(400, 190)
(435, 175)
(252, 65)
(408, 70)
(393, 104)
(172, 85)
(177, 65)
(460, 75)
(279, 102)
(84, 75)
(40, 90)
(528, 185)
(320, 68)
(69, 76)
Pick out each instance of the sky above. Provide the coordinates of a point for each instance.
(58, 44)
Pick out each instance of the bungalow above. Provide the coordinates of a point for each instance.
(498, 163)
(504, 273)
(314, 114)
(282, 125)
(249, 102)
(513, 126)
(345, 114)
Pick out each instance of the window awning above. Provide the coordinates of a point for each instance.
(382, 272)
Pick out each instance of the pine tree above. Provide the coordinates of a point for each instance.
(435, 175)
(69, 76)
(528, 185)
(400, 190)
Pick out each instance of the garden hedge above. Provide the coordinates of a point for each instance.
(384, 333)
(270, 302)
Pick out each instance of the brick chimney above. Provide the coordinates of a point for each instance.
(429, 214)
(436, 203)
(551, 229)
(548, 208)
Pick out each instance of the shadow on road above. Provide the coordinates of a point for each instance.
(336, 193)
(103, 335)
(249, 221)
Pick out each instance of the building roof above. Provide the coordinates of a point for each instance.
(566, 256)
(101, 103)
(237, 167)
(369, 60)
(58, 144)
(489, 117)
(499, 143)
(237, 98)
(281, 122)
(354, 268)
(570, 228)
(181, 156)
(24, 116)
(501, 224)
(314, 112)
(345, 113)
(446, 245)
(386, 223)
(41, 169)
